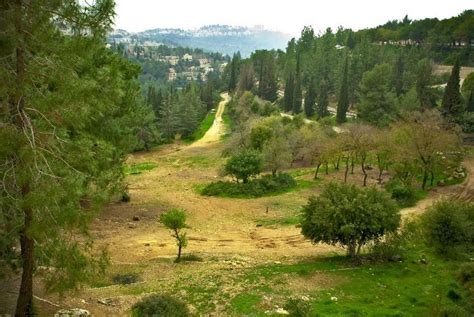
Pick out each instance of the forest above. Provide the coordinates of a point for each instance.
(332, 178)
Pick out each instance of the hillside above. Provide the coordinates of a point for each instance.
(216, 38)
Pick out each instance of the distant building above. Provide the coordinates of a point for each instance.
(187, 57)
(171, 74)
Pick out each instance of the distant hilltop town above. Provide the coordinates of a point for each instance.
(164, 63)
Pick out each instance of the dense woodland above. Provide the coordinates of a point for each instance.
(72, 110)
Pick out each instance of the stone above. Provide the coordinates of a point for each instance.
(132, 225)
(73, 312)
(106, 301)
(281, 311)
(136, 218)
(147, 244)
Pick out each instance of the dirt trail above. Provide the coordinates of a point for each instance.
(217, 129)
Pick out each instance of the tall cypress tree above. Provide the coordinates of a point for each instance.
(398, 70)
(234, 72)
(323, 100)
(452, 104)
(298, 93)
(343, 102)
(310, 99)
(289, 91)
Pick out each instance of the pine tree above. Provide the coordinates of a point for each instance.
(343, 102)
(323, 101)
(63, 137)
(289, 91)
(234, 72)
(298, 93)
(310, 99)
(452, 104)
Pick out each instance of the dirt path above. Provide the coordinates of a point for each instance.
(217, 129)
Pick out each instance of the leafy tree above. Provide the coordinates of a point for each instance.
(246, 77)
(423, 142)
(468, 85)
(234, 72)
(310, 99)
(398, 72)
(264, 64)
(244, 165)
(448, 226)
(343, 103)
(276, 154)
(452, 103)
(175, 220)
(350, 216)
(71, 110)
(377, 102)
(470, 103)
(259, 135)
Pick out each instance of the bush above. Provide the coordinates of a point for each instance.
(265, 185)
(160, 305)
(350, 216)
(448, 226)
(404, 195)
(298, 308)
(124, 279)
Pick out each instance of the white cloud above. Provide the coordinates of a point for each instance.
(288, 16)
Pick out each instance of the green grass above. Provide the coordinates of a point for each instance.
(136, 169)
(407, 288)
(244, 303)
(284, 221)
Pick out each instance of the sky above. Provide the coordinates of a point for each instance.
(288, 16)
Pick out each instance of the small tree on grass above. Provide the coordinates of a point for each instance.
(244, 165)
(175, 219)
(349, 216)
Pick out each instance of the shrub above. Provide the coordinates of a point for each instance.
(298, 308)
(160, 305)
(350, 216)
(449, 227)
(124, 279)
(403, 194)
(265, 185)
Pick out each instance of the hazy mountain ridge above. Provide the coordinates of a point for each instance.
(218, 38)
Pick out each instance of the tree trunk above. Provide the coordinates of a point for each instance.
(432, 178)
(352, 166)
(351, 249)
(274, 172)
(327, 168)
(381, 169)
(317, 171)
(347, 170)
(425, 179)
(364, 171)
(180, 246)
(24, 305)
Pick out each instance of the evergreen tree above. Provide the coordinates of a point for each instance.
(343, 102)
(298, 93)
(452, 104)
(166, 118)
(289, 92)
(398, 71)
(70, 111)
(470, 103)
(425, 95)
(234, 72)
(323, 101)
(310, 99)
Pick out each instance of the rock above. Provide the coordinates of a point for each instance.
(258, 225)
(281, 311)
(73, 312)
(423, 261)
(147, 244)
(106, 301)
(136, 218)
(334, 298)
(441, 182)
(132, 225)
(305, 298)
